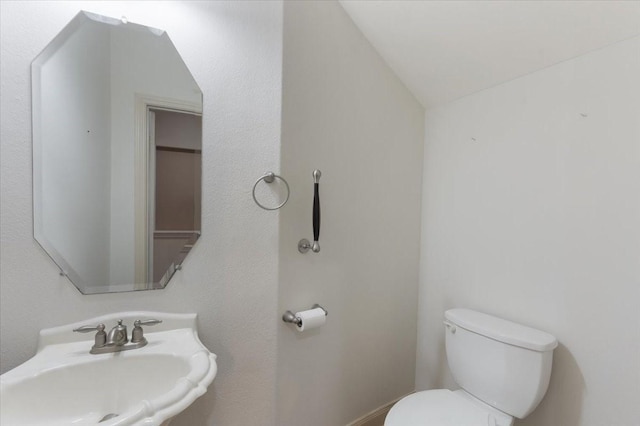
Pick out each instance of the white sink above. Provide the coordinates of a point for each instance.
(63, 384)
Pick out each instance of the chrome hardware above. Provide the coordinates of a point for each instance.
(118, 335)
(304, 245)
(89, 328)
(291, 318)
(137, 335)
(270, 177)
(117, 339)
(101, 337)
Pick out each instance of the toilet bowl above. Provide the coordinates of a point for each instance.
(442, 407)
(503, 369)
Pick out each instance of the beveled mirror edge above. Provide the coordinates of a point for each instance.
(36, 66)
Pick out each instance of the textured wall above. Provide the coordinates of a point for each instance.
(347, 114)
(234, 50)
(531, 212)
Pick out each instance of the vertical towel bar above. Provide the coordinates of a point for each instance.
(304, 245)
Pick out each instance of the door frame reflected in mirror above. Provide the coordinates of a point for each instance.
(144, 222)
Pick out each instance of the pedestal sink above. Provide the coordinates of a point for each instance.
(63, 384)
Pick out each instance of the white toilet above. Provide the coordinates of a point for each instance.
(502, 367)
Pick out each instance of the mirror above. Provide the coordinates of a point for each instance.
(117, 147)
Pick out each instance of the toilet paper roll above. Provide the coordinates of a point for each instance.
(310, 319)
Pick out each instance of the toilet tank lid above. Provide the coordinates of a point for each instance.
(502, 330)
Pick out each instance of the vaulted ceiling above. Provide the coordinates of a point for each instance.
(444, 50)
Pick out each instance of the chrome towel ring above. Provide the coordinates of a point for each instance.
(270, 177)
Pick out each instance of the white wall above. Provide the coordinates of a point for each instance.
(74, 135)
(234, 50)
(530, 212)
(347, 114)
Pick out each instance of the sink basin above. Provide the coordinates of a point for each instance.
(65, 385)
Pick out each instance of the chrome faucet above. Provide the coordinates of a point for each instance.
(118, 335)
(117, 340)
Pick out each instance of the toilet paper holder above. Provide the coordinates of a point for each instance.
(290, 317)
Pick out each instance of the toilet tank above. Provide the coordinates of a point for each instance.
(503, 364)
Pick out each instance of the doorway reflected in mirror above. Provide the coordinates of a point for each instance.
(177, 138)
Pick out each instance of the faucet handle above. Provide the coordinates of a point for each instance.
(101, 337)
(137, 335)
(138, 323)
(89, 328)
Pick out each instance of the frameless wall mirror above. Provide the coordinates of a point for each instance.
(117, 146)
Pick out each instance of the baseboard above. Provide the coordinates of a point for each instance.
(376, 415)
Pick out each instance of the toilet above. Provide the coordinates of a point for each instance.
(503, 369)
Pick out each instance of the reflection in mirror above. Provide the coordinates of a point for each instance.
(178, 159)
(117, 143)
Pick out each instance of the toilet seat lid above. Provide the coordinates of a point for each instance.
(439, 407)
